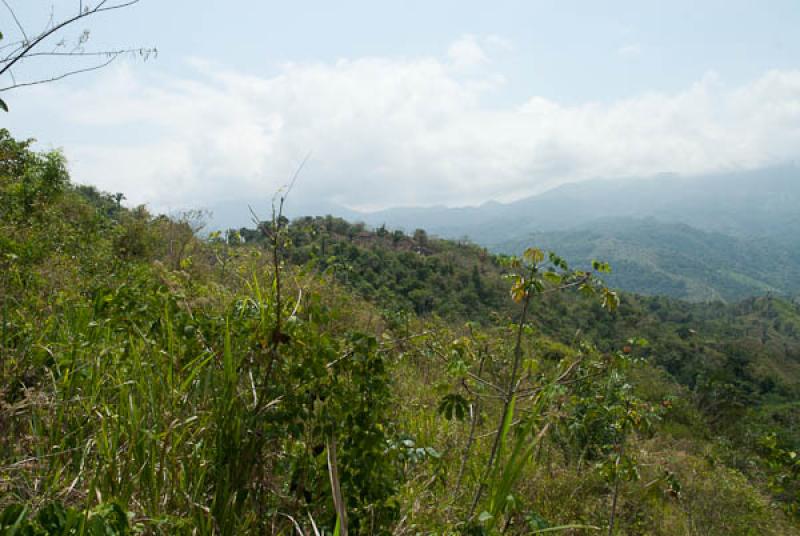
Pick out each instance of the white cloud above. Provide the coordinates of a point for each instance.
(467, 52)
(389, 132)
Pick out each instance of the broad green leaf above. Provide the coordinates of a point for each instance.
(552, 277)
(433, 453)
(453, 406)
(536, 522)
(602, 267)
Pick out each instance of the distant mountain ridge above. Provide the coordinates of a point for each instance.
(717, 237)
(764, 202)
(723, 236)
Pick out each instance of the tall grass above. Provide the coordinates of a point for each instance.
(142, 403)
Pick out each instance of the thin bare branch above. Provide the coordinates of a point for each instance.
(99, 7)
(488, 383)
(477, 395)
(44, 35)
(11, 44)
(104, 53)
(60, 77)
(16, 20)
(296, 175)
(282, 195)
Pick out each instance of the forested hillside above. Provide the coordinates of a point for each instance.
(677, 260)
(724, 237)
(751, 348)
(316, 377)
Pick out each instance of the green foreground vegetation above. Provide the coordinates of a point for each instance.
(316, 377)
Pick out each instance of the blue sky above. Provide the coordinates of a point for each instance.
(414, 102)
(567, 51)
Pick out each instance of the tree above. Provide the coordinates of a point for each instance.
(421, 237)
(26, 47)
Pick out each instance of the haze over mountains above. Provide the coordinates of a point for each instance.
(757, 203)
(715, 237)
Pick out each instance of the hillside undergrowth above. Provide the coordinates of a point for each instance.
(318, 377)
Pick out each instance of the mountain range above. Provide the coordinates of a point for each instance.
(722, 236)
(714, 237)
(764, 202)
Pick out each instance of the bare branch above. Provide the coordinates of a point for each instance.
(18, 44)
(99, 8)
(16, 20)
(106, 53)
(29, 46)
(11, 44)
(61, 76)
(282, 195)
(296, 175)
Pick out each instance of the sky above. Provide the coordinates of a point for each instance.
(414, 102)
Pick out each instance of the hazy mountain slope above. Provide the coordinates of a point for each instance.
(716, 237)
(763, 202)
(651, 257)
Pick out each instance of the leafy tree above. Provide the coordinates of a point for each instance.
(421, 237)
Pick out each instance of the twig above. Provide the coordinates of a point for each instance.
(16, 20)
(61, 76)
(25, 46)
(512, 387)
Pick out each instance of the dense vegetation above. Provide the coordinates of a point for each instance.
(720, 237)
(677, 260)
(317, 377)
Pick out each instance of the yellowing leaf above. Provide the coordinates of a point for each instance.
(518, 290)
(533, 255)
(610, 300)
